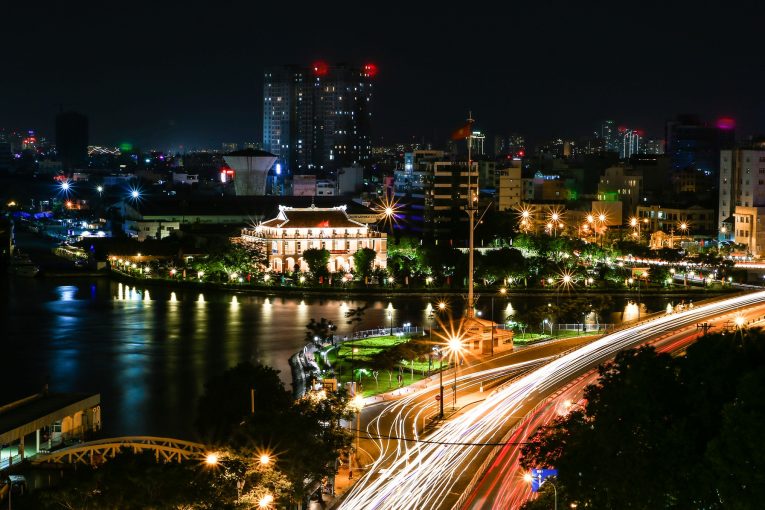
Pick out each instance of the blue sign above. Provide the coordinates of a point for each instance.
(538, 477)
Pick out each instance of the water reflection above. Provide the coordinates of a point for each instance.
(150, 351)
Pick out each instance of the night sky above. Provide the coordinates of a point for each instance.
(164, 76)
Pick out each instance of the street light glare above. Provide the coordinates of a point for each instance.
(265, 501)
(211, 459)
(528, 478)
(65, 185)
(265, 459)
(455, 344)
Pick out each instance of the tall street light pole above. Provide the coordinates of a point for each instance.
(455, 347)
(358, 405)
(441, 382)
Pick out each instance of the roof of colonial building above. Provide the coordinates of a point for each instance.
(312, 217)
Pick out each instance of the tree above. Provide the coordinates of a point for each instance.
(386, 359)
(317, 260)
(227, 400)
(363, 261)
(663, 432)
(305, 434)
(319, 332)
(736, 455)
(134, 481)
(499, 264)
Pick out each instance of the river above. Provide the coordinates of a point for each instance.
(149, 351)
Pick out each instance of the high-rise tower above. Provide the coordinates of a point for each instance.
(318, 118)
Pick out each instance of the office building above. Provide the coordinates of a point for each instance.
(742, 195)
(608, 133)
(513, 145)
(448, 190)
(477, 144)
(72, 140)
(694, 144)
(510, 188)
(623, 184)
(318, 118)
(668, 219)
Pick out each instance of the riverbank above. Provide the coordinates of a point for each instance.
(335, 292)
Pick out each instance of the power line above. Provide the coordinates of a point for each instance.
(428, 441)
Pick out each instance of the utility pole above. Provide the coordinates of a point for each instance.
(470, 209)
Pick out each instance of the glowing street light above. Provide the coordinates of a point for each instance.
(265, 501)
(211, 459)
(455, 348)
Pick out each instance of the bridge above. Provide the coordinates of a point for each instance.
(165, 449)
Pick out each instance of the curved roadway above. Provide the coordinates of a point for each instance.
(435, 474)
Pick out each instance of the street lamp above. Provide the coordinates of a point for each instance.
(528, 478)
(265, 501)
(357, 403)
(455, 347)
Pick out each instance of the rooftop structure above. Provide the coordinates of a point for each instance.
(294, 230)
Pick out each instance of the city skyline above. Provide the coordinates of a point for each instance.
(543, 71)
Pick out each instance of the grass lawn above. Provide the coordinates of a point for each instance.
(341, 360)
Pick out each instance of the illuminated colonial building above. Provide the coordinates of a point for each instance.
(294, 230)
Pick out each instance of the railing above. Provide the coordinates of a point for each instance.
(584, 327)
(7, 462)
(369, 333)
(165, 449)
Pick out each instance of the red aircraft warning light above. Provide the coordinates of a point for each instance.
(320, 68)
(370, 70)
(726, 123)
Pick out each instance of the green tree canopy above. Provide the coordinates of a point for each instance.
(663, 432)
(363, 261)
(317, 260)
(304, 435)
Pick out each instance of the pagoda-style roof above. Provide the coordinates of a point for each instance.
(312, 217)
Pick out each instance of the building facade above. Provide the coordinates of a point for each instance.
(318, 117)
(742, 183)
(510, 188)
(294, 230)
(448, 190)
(749, 229)
(698, 219)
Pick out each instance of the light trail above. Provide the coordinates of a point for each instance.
(432, 475)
